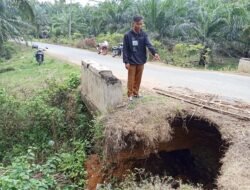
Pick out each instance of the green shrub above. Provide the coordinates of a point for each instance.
(72, 162)
(97, 135)
(7, 50)
(57, 32)
(63, 41)
(76, 36)
(27, 123)
(47, 120)
(160, 50)
(56, 114)
(187, 55)
(24, 173)
(62, 171)
(73, 81)
(158, 45)
(54, 39)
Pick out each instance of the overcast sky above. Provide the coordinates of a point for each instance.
(83, 2)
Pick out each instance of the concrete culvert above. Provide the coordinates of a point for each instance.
(193, 155)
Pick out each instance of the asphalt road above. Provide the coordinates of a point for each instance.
(232, 86)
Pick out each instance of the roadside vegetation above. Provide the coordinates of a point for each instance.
(44, 126)
(46, 132)
(211, 34)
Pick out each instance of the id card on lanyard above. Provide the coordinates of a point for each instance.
(135, 42)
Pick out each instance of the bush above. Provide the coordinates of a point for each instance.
(157, 45)
(86, 43)
(57, 114)
(62, 171)
(72, 162)
(63, 41)
(24, 173)
(6, 51)
(160, 50)
(187, 55)
(27, 123)
(57, 32)
(48, 122)
(76, 36)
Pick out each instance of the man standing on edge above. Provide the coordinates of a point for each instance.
(135, 55)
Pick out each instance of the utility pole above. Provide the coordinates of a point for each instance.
(70, 19)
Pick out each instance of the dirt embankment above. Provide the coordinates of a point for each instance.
(169, 137)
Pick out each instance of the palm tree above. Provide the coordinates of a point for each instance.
(151, 11)
(12, 16)
(237, 29)
(41, 18)
(118, 15)
(162, 16)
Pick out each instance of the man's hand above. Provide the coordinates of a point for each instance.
(127, 65)
(157, 57)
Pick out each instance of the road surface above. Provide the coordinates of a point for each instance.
(230, 86)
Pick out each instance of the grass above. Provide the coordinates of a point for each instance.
(225, 64)
(146, 99)
(220, 63)
(27, 77)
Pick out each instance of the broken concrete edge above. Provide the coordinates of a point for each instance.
(101, 70)
(94, 66)
(109, 78)
(100, 89)
(244, 65)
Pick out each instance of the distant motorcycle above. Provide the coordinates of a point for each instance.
(102, 48)
(117, 50)
(34, 46)
(39, 56)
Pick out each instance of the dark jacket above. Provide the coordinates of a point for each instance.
(134, 47)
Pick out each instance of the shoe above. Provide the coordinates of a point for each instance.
(130, 98)
(138, 96)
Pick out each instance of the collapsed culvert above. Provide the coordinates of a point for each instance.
(193, 153)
